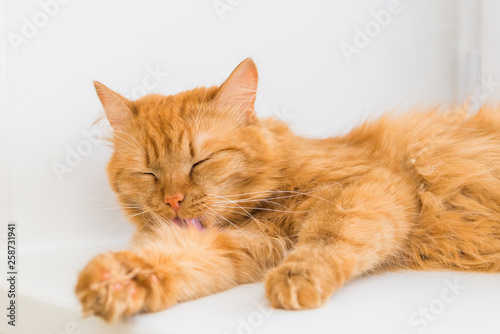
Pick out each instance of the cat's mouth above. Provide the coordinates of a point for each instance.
(184, 222)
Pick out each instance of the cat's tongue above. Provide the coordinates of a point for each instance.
(189, 221)
(196, 223)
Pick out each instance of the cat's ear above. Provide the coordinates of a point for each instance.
(239, 91)
(117, 108)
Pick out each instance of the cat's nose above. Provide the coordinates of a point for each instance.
(174, 201)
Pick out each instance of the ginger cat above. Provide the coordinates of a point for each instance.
(222, 198)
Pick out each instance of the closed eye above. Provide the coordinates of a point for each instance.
(151, 174)
(199, 163)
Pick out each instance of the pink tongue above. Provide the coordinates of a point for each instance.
(178, 221)
(190, 221)
(196, 223)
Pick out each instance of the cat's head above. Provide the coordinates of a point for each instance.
(186, 158)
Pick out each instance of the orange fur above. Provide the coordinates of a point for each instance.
(415, 191)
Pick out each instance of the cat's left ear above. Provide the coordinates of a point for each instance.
(118, 108)
(238, 93)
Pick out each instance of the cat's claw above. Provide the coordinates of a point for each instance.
(114, 285)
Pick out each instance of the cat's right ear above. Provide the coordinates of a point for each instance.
(239, 91)
(117, 108)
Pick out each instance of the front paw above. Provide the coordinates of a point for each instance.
(298, 286)
(115, 285)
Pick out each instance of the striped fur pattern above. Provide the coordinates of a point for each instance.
(419, 191)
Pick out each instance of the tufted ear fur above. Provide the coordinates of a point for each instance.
(238, 93)
(117, 108)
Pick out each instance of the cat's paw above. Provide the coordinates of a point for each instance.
(298, 286)
(115, 285)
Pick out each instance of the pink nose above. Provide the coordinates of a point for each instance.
(174, 201)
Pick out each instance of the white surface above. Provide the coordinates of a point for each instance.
(389, 303)
(305, 79)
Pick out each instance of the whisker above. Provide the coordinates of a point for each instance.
(248, 213)
(295, 194)
(121, 131)
(281, 191)
(130, 216)
(265, 209)
(99, 200)
(230, 222)
(115, 135)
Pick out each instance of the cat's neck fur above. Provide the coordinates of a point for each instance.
(303, 163)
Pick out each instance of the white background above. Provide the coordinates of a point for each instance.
(295, 44)
(424, 57)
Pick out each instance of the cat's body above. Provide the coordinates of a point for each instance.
(415, 191)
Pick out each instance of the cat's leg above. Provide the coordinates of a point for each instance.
(344, 236)
(174, 265)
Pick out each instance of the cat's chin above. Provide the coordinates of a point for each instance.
(185, 222)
